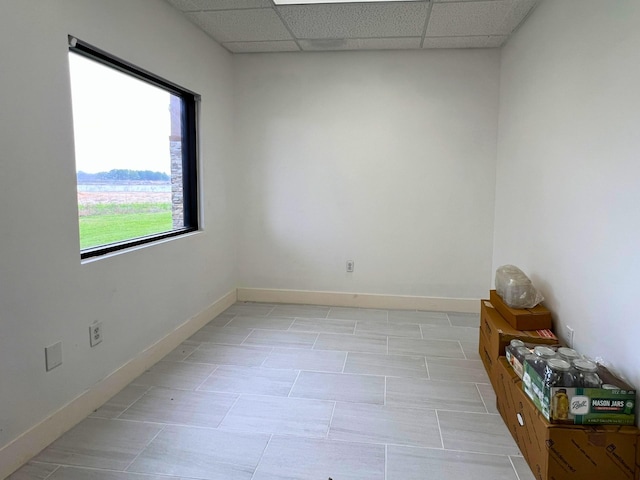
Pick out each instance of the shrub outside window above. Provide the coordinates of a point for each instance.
(135, 149)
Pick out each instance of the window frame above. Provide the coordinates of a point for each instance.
(189, 124)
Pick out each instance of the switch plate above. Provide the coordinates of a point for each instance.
(53, 356)
(570, 333)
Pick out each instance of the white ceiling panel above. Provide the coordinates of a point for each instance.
(356, 20)
(483, 41)
(198, 5)
(361, 44)
(495, 17)
(255, 47)
(516, 16)
(241, 25)
(182, 5)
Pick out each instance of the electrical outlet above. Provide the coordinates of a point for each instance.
(569, 333)
(53, 356)
(95, 334)
(350, 265)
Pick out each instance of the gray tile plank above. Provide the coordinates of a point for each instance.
(432, 348)
(398, 330)
(476, 432)
(300, 311)
(229, 355)
(120, 402)
(79, 473)
(412, 317)
(488, 397)
(178, 375)
(272, 338)
(253, 380)
(303, 359)
(460, 334)
(522, 468)
(33, 471)
(263, 323)
(352, 343)
(100, 443)
(202, 453)
(456, 370)
(470, 350)
(221, 320)
(289, 458)
(464, 319)
(389, 365)
(323, 325)
(433, 394)
(181, 352)
(385, 424)
(340, 387)
(279, 415)
(164, 405)
(405, 463)
(248, 308)
(360, 314)
(223, 335)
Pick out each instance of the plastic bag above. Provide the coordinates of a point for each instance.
(515, 288)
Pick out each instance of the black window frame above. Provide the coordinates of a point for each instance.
(189, 124)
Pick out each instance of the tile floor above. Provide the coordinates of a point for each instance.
(287, 392)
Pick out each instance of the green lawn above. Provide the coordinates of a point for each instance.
(99, 229)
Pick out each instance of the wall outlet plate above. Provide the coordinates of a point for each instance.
(350, 265)
(95, 334)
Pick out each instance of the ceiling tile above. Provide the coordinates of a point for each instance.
(197, 5)
(355, 20)
(253, 47)
(495, 17)
(361, 44)
(521, 9)
(183, 5)
(241, 25)
(483, 41)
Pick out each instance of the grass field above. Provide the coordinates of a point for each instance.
(104, 224)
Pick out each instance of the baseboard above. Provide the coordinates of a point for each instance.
(362, 300)
(26, 446)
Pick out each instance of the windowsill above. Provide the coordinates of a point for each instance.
(138, 247)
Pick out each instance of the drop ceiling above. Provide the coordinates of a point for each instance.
(245, 26)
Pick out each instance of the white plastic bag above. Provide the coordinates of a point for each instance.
(515, 288)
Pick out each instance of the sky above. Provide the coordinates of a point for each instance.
(119, 122)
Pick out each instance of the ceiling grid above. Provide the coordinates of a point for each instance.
(249, 26)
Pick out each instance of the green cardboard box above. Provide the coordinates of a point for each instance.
(593, 406)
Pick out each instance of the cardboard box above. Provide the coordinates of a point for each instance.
(536, 318)
(496, 333)
(565, 452)
(594, 406)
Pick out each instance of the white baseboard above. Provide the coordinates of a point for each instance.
(22, 449)
(362, 300)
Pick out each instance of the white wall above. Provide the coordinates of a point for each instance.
(385, 158)
(568, 175)
(46, 294)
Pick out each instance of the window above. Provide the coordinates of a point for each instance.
(135, 148)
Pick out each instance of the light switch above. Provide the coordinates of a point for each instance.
(53, 356)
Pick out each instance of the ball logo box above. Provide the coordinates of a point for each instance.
(574, 405)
